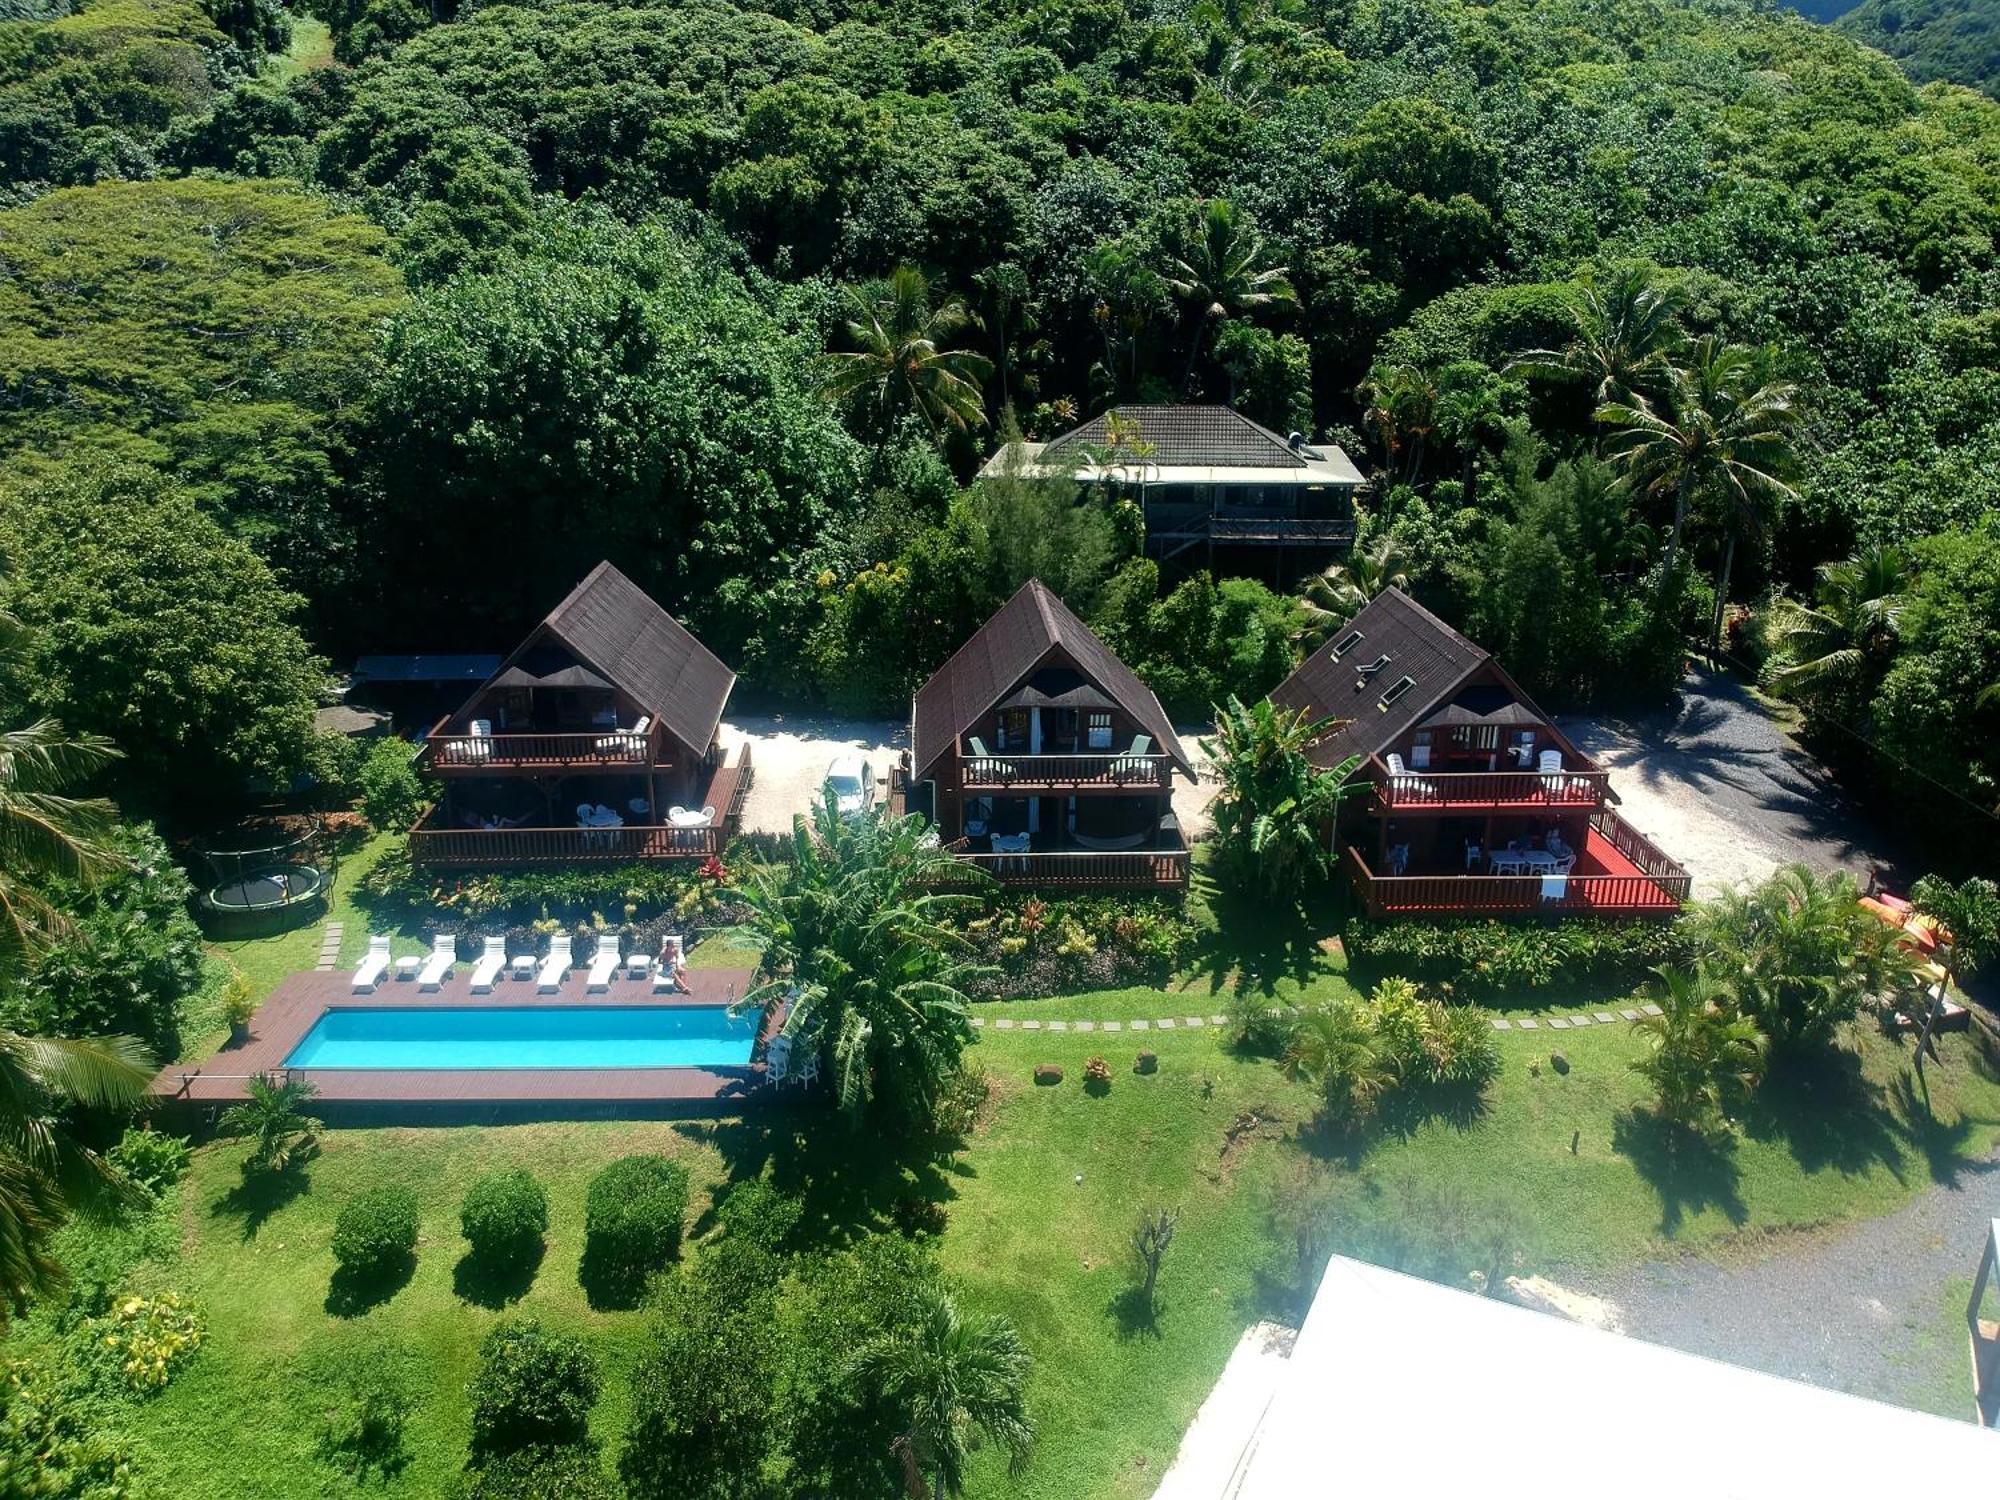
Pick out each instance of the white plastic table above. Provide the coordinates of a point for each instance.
(406, 968)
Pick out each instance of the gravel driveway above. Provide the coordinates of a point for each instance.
(1717, 784)
(1867, 1310)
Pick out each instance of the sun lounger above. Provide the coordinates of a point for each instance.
(555, 968)
(984, 766)
(373, 967)
(602, 964)
(1411, 786)
(1135, 761)
(444, 953)
(492, 959)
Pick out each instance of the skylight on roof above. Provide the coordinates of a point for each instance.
(1396, 690)
(1346, 644)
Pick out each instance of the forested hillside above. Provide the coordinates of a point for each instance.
(1957, 41)
(498, 293)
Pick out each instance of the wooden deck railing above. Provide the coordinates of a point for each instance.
(1419, 789)
(1139, 773)
(1445, 895)
(597, 749)
(497, 847)
(1124, 869)
(1642, 851)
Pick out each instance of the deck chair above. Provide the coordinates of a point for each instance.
(555, 968)
(444, 953)
(1403, 781)
(602, 964)
(665, 979)
(990, 766)
(492, 959)
(1134, 761)
(369, 972)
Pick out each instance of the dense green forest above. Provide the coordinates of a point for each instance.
(377, 328)
(1957, 41)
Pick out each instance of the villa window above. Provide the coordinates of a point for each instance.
(1098, 728)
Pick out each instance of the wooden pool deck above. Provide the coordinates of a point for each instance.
(383, 1095)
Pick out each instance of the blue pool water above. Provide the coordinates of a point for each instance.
(570, 1036)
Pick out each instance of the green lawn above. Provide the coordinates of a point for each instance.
(1110, 1396)
(312, 47)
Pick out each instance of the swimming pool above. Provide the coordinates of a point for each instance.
(467, 1037)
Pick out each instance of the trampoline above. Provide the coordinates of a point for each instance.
(264, 880)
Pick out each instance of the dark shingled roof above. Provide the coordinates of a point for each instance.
(1003, 653)
(1417, 644)
(613, 626)
(1186, 436)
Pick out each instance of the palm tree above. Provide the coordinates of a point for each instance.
(1401, 410)
(44, 831)
(1851, 628)
(1799, 953)
(950, 1376)
(1334, 1047)
(1624, 332)
(1704, 1056)
(1718, 426)
(1337, 594)
(282, 1135)
(1275, 807)
(862, 943)
(45, 1172)
(1222, 274)
(899, 357)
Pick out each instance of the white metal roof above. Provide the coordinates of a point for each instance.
(1399, 1387)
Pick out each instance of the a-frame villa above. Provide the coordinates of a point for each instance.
(1478, 803)
(595, 741)
(1045, 760)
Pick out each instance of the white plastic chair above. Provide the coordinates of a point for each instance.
(602, 964)
(806, 1073)
(371, 969)
(778, 1059)
(555, 968)
(444, 953)
(492, 959)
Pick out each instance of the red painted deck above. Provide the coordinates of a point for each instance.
(302, 999)
(1618, 873)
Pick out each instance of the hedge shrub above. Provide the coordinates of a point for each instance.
(375, 1233)
(632, 1225)
(504, 1217)
(534, 1389)
(1475, 959)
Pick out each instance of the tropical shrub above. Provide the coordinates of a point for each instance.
(1483, 959)
(1255, 1023)
(959, 1102)
(391, 789)
(633, 1216)
(504, 1217)
(534, 1389)
(52, 1442)
(1705, 1058)
(151, 1158)
(396, 888)
(1798, 955)
(1041, 946)
(282, 1135)
(758, 1212)
(1335, 1047)
(136, 1344)
(375, 1232)
(1397, 1044)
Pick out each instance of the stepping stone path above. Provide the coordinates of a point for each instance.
(1195, 1023)
(329, 948)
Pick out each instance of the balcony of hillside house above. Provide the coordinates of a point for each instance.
(1134, 848)
(1601, 866)
(1400, 789)
(1139, 767)
(474, 747)
(592, 815)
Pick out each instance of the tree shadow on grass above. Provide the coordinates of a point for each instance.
(1691, 1171)
(351, 1292)
(848, 1181)
(485, 1285)
(1133, 1315)
(1827, 1112)
(258, 1195)
(1457, 1105)
(1941, 1143)
(1257, 943)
